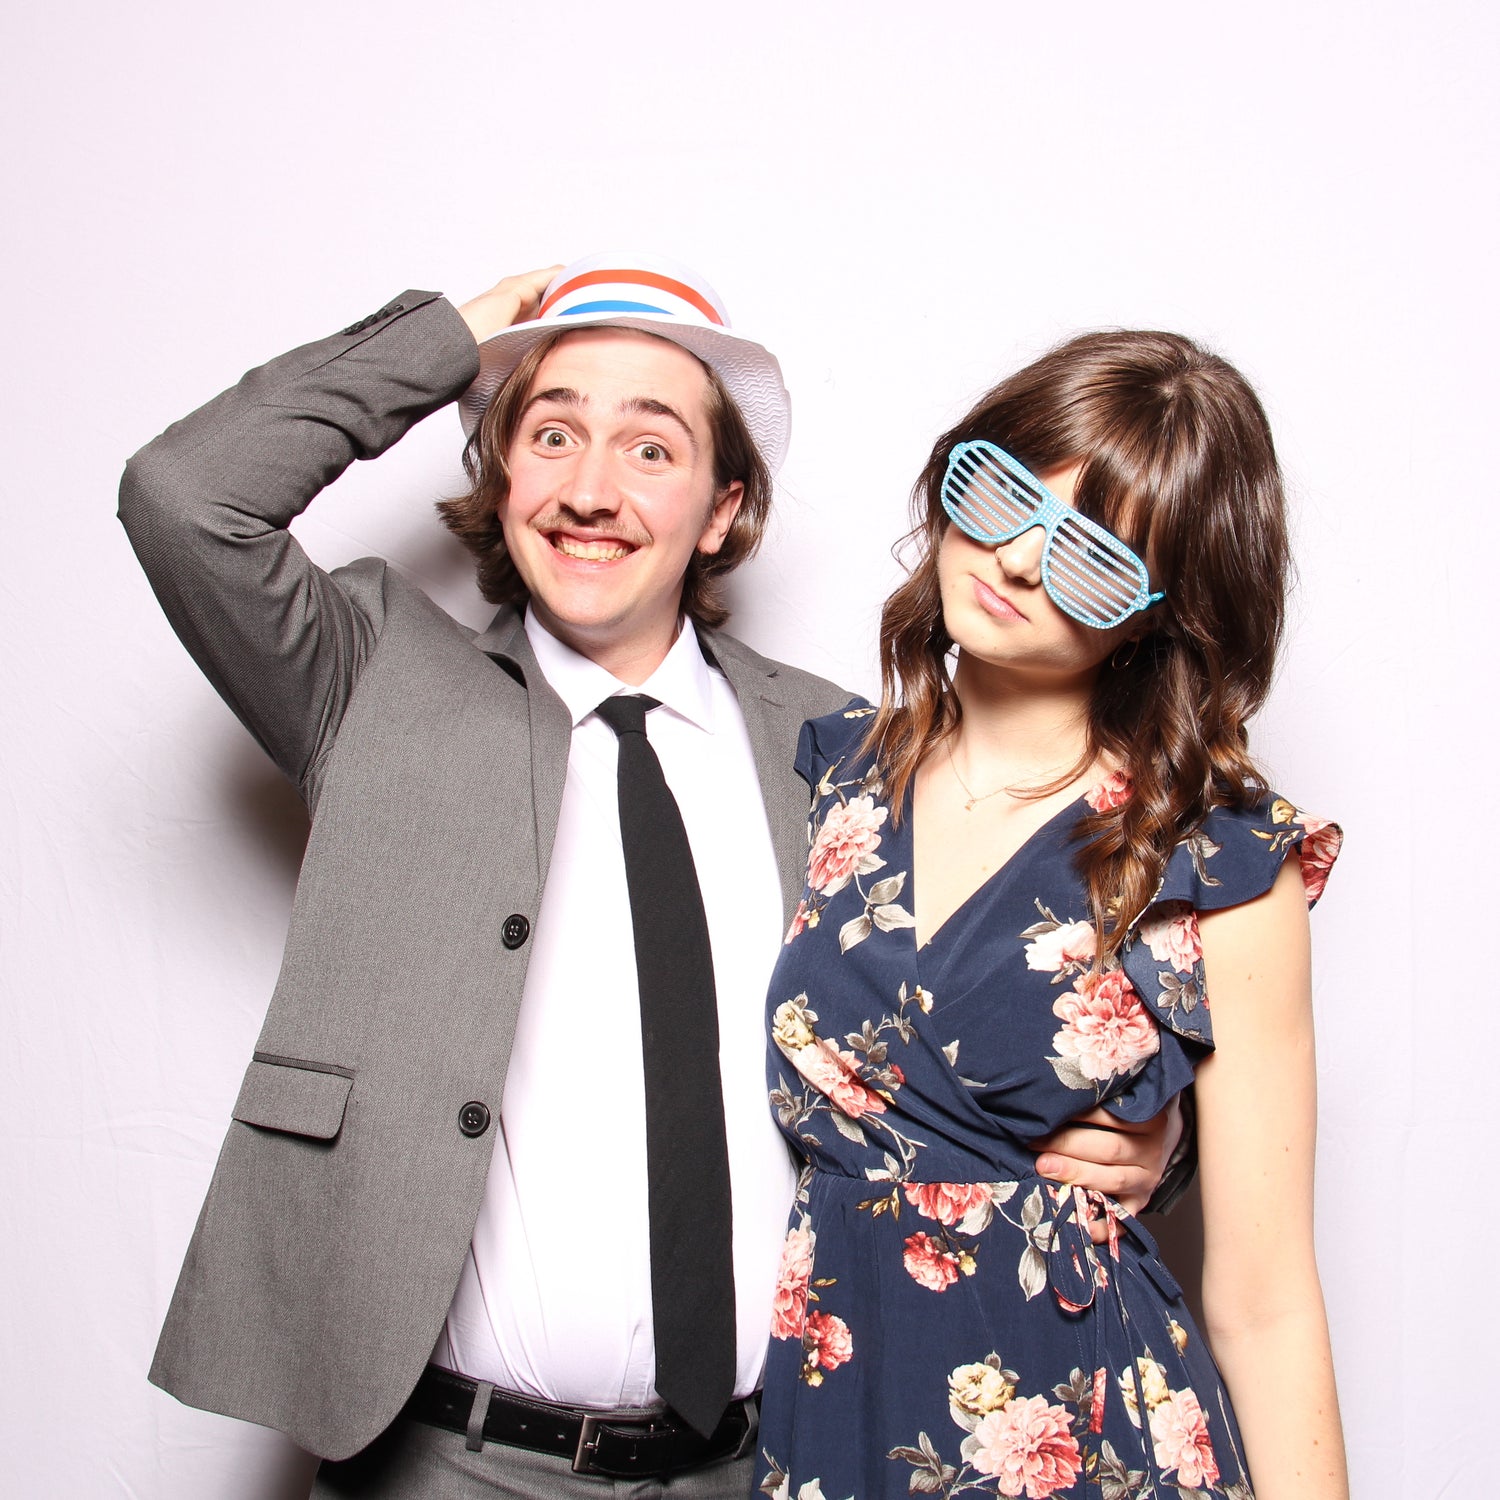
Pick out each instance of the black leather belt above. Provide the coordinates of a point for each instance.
(619, 1445)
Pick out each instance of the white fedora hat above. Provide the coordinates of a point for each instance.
(658, 296)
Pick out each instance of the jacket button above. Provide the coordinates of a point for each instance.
(515, 931)
(474, 1118)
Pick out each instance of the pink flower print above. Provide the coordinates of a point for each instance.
(826, 1341)
(1028, 1445)
(846, 841)
(1096, 1403)
(789, 1304)
(799, 922)
(1105, 1030)
(1070, 943)
(1318, 850)
(1179, 1435)
(928, 1264)
(947, 1202)
(1172, 935)
(836, 1074)
(1113, 791)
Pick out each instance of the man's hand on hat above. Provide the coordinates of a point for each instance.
(513, 299)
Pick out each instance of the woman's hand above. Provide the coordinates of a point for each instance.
(513, 299)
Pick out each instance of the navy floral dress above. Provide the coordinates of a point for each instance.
(942, 1324)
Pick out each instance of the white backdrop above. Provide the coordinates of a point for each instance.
(904, 202)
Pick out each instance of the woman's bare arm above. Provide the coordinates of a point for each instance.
(1257, 1115)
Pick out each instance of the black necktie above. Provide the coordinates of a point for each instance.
(692, 1269)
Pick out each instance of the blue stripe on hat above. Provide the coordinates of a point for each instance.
(613, 306)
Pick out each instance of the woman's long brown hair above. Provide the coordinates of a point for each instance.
(1177, 460)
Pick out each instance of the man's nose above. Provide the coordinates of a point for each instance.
(1021, 557)
(589, 487)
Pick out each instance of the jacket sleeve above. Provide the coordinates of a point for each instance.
(207, 504)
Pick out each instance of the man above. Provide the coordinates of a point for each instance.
(468, 896)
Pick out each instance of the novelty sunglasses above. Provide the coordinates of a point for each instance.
(1088, 572)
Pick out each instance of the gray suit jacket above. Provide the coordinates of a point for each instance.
(433, 761)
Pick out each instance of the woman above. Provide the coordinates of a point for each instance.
(1046, 874)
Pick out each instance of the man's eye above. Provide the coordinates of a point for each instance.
(653, 453)
(551, 437)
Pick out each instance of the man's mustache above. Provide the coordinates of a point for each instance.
(609, 530)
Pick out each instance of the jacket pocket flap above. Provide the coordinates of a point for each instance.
(294, 1098)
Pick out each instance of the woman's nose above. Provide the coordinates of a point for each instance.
(1021, 557)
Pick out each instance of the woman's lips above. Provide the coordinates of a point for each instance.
(995, 604)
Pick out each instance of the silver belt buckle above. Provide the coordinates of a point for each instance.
(588, 1441)
(588, 1435)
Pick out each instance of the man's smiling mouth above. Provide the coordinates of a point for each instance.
(603, 550)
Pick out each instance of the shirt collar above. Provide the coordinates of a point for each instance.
(681, 683)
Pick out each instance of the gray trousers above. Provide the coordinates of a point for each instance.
(414, 1461)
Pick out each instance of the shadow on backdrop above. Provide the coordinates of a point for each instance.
(290, 1475)
(1180, 1236)
(264, 808)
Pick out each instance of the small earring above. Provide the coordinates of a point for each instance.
(1118, 662)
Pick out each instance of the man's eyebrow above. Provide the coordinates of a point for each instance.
(649, 406)
(559, 395)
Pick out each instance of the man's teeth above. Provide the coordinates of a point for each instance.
(590, 551)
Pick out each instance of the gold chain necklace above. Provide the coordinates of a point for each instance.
(968, 791)
(973, 799)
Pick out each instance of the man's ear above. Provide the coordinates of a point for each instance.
(721, 518)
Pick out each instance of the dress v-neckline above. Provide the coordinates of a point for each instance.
(989, 880)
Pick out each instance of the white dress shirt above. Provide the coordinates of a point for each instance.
(555, 1296)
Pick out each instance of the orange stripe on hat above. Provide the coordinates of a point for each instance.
(635, 278)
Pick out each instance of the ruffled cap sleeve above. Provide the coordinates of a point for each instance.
(1233, 857)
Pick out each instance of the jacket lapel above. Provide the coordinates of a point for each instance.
(773, 731)
(551, 728)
